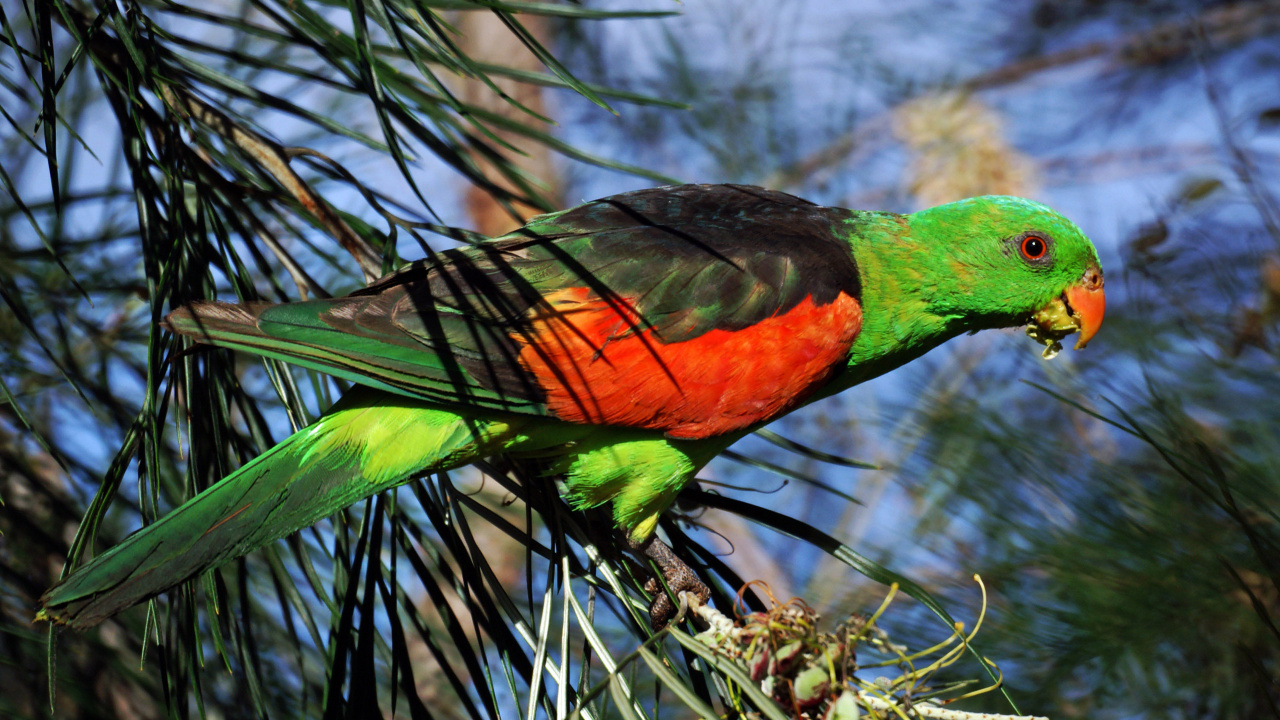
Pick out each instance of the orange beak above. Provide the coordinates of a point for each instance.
(1088, 304)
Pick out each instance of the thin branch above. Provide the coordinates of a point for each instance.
(270, 156)
(1263, 201)
(929, 710)
(274, 159)
(1228, 24)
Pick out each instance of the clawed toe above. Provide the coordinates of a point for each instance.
(678, 578)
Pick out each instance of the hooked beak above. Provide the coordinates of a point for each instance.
(1079, 309)
(1087, 304)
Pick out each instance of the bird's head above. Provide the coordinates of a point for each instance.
(1009, 261)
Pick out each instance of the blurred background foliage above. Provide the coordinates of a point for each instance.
(1120, 504)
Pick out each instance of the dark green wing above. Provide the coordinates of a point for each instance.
(671, 263)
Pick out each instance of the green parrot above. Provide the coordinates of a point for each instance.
(624, 342)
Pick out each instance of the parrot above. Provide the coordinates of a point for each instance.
(624, 343)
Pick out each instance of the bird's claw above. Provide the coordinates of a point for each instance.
(662, 611)
(677, 578)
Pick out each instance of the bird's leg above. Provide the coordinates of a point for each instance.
(678, 576)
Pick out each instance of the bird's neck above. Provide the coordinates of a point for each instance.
(899, 285)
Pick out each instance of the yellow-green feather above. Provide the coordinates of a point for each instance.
(640, 472)
(369, 442)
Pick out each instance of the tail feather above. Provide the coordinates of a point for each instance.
(369, 442)
(303, 340)
(375, 340)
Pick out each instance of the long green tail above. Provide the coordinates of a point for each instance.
(369, 442)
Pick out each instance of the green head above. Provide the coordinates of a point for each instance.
(985, 262)
(1003, 261)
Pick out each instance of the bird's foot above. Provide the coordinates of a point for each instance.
(677, 576)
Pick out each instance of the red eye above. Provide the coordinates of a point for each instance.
(1033, 248)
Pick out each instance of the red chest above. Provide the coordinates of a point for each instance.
(595, 367)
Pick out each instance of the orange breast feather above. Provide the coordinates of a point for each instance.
(597, 365)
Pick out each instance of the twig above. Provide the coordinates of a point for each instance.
(929, 710)
(1233, 23)
(1243, 166)
(273, 158)
(269, 155)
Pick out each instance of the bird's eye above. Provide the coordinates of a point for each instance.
(1033, 247)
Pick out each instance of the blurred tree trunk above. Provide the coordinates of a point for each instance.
(485, 38)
